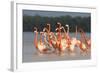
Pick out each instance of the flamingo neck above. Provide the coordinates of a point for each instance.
(35, 38)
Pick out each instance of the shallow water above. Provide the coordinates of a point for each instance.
(29, 52)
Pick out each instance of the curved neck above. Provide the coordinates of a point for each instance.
(68, 30)
(47, 33)
(46, 30)
(83, 35)
(76, 32)
(35, 38)
(40, 37)
(64, 31)
(49, 27)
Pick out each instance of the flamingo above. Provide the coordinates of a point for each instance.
(58, 41)
(84, 46)
(47, 39)
(49, 35)
(45, 35)
(71, 42)
(52, 39)
(39, 45)
(87, 40)
(68, 37)
(63, 43)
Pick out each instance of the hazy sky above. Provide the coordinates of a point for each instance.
(53, 13)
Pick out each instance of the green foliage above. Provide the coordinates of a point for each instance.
(40, 22)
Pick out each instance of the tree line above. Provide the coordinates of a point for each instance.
(29, 22)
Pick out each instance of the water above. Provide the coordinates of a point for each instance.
(29, 52)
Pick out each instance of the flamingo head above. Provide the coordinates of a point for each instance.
(56, 29)
(48, 24)
(44, 30)
(41, 33)
(35, 29)
(67, 25)
(58, 23)
(62, 27)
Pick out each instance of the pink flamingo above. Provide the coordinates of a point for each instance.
(40, 46)
(59, 37)
(73, 43)
(52, 40)
(84, 46)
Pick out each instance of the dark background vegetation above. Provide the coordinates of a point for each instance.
(40, 22)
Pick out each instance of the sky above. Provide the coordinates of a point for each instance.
(53, 13)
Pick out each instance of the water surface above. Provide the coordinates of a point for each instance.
(29, 52)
